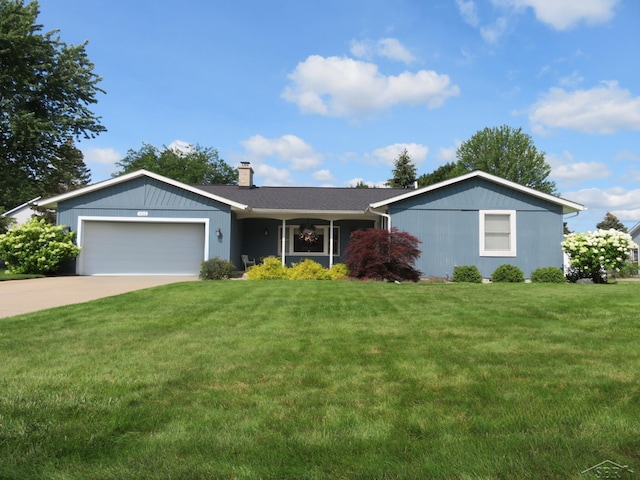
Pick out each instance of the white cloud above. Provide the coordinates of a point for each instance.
(468, 12)
(565, 169)
(494, 32)
(603, 110)
(323, 176)
(565, 14)
(390, 48)
(272, 176)
(390, 153)
(287, 149)
(342, 87)
(446, 155)
(102, 156)
(572, 80)
(627, 155)
(615, 198)
(180, 146)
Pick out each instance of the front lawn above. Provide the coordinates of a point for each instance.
(325, 380)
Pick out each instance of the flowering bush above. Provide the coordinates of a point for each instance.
(36, 247)
(592, 254)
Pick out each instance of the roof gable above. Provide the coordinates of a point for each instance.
(567, 206)
(53, 201)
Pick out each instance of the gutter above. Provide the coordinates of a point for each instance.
(385, 215)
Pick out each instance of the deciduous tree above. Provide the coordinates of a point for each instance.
(508, 153)
(194, 165)
(46, 88)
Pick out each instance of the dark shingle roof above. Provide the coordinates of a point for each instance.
(303, 198)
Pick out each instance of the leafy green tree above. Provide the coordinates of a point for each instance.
(361, 184)
(404, 172)
(508, 153)
(46, 88)
(5, 222)
(445, 172)
(611, 221)
(197, 165)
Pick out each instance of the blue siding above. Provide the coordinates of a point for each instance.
(158, 200)
(447, 222)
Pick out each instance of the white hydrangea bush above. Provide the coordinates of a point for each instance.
(595, 253)
(37, 247)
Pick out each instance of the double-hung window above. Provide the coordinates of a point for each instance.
(497, 233)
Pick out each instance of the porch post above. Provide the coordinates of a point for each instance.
(330, 243)
(284, 241)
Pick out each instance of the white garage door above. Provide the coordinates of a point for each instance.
(141, 248)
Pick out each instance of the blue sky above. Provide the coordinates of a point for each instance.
(330, 92)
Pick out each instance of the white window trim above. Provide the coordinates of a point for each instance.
(511, 252)
(321, 230)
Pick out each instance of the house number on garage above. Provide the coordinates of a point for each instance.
(143, 214)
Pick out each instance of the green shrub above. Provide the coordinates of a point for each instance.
(466, 273)
(629, 269)
(270, 269)
(339, 272)
(216, 269)
(548, 275)
(308, 270)
(37, 247)
(507, 273)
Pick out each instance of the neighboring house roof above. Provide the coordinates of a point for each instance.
(19, 208)
(635, 229)
(21, 213)
(567, 206)
(53, 201)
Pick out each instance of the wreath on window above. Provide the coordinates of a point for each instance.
(308, 234)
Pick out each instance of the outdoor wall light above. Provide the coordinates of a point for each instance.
(218, 233)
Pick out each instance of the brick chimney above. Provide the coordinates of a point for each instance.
(245, 175)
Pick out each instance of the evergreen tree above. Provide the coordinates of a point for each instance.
(611, 221)
(404, 172)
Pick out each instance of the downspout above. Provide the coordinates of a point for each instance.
(284, 241)
(385, 215)
(330, 244)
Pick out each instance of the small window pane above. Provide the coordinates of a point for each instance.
(497, 241)
(496, 223)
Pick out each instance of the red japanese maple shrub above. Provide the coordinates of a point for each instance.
(377, 254)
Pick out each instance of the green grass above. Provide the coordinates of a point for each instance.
(324, 380)
(4, 276)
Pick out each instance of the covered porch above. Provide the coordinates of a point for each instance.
(293, 237)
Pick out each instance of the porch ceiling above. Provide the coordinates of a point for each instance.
(292, 214)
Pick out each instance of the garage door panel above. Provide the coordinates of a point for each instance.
(142, 248)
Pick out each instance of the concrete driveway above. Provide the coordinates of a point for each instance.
(25, 296)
